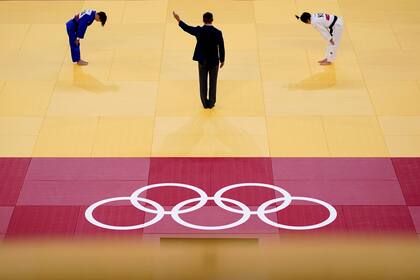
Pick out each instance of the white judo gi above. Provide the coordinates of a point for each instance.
(330, 27)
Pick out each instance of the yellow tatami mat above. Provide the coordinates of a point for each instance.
(139, 94)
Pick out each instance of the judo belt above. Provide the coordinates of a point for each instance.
(332, 25)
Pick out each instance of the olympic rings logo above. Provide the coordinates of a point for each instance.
(177, 210)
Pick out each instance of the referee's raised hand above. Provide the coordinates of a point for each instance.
(176, 16)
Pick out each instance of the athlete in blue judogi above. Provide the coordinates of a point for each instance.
(76, 29)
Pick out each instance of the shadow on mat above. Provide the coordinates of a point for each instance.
(322, 80)
(208, 135)
(86, 81)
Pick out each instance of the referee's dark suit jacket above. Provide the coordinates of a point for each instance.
(209, 51)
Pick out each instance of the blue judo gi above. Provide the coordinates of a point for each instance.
(76, 28)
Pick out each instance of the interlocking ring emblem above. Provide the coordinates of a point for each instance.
(176, 211)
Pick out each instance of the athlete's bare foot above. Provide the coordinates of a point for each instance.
(325, 63)
(322, 61)
(82, 63)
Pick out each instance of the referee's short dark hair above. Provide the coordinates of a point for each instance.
(208, 17)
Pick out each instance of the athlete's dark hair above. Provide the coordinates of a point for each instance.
(208, 17)
(102, 17)
(305, 17)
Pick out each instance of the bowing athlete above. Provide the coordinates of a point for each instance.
(330, 27)
(76, 28)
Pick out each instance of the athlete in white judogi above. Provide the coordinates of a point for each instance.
(330, 27)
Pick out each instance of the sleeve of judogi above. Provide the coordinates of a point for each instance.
(84, 22)
(81, 28)
(324, 31)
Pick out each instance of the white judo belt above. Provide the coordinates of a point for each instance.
(158, 210)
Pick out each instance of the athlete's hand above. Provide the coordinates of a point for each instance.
(221, 64)
(332, 42)
(176, 16)
(77, 42)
